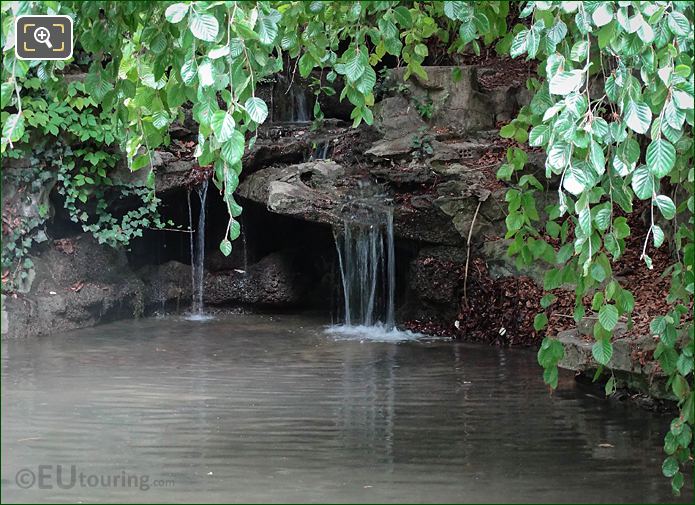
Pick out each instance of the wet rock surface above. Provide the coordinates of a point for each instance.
(274, 281)
(74, 284)
(630, 364)
(436, 169)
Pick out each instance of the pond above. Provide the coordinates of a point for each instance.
(274, 409)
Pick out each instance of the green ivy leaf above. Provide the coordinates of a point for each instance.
(643, 183)
(677, 483)
(550, 376)
(638, 116)
(234, 229)
(514, 221)
(222, 124)
(366, 83)
(539, 135)
(657, 235)
(176, 12)
(683, 100)
(540, 321)
(189, 71)
(575, 181)
(206, 74)
(585, 221)
(679, 25)
(598, 273)
(233, 149)
(684, 364)
(6, 95)
(160, 119)
(602, 351)
(603, 219)
(306, 64)
(565, 83)
(603, 14)
(550, 352)
(547, 300)
(13, 128)
(669, 467)
(218, 52)
(226, 247)
(507, 131)
(267, 30)
(454, 10)
(557, 32)
(579, 51)
(354, 67)
(666, 206)
(661, 157)
(598, 160)
(204, 26)
(403, 16)
(519, 44)
(608, 317)
(256, 109)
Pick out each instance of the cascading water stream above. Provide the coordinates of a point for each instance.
(197, 244)
(321, 151)
(300, 109)
(366, 257)
(245, 254)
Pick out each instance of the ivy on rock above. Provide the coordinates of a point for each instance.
(612, 107)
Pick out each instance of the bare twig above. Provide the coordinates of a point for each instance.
(296, 62)
(468, 255)
(170, 229)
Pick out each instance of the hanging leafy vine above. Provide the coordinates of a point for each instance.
(612, 107)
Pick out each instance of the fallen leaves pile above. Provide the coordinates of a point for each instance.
(501, 311)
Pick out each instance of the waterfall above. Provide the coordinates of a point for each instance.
(366, 256)
(198, 250)
(390, 272)
(321, 150)
(289, 101)
(300, 109)
(242, 224)
(191, 241)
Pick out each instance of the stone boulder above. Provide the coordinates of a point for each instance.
(454, 103)
(319, 191)
(167, 287)
(500, 264)
(434, 283)
(306, 190)
(274, 281)
(626, 366)
(75, 283)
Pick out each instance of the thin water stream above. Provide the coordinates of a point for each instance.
(300, 108)
(197, 244)
(272, 409)
(367, 262)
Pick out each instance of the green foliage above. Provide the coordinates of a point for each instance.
(425, 107)
(421, 143)
(68, 139)
(612, 107)
(156, 57)
(615, 89)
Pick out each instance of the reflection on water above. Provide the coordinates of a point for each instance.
(259, 409)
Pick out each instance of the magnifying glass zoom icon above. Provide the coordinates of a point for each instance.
(43, 36)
